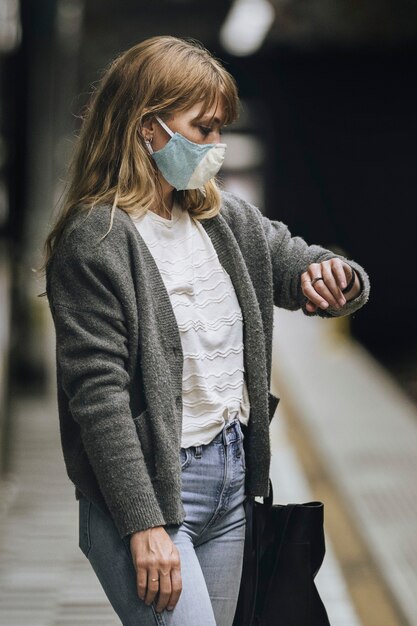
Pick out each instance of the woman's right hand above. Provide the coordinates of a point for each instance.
(158, 569)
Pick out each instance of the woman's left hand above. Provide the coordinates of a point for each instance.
(323, 282)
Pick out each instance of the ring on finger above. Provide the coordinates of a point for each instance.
(315, 280)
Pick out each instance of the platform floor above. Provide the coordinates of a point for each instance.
(356, 436)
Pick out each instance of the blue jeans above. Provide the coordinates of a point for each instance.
(210, 541)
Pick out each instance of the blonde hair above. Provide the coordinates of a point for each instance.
(110, 163)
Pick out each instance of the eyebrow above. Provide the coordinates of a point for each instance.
(205, 118)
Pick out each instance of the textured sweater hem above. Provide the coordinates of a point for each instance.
(139, 513)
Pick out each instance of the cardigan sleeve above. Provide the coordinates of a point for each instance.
(92, 355)
(290, 257)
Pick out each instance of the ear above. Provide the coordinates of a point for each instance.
(147, 129)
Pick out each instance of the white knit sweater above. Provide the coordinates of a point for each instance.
(209, 320)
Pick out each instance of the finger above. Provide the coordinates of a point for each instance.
(332, 285)
(311, 308)
(152, 586)
(305, 279)
(313, 271)
(141, 582)
(165, 590)
(322, 288)
(342, 272)
(176, 586)
(319, 294)
(314, 297)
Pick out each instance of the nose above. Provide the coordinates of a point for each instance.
(216, 138)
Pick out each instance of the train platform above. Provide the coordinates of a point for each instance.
(343, 433)
(354, 434)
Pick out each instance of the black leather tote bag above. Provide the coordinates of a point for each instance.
(284, 550)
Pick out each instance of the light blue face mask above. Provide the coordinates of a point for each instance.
(185, 164)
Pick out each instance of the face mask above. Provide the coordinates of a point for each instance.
(185, 164)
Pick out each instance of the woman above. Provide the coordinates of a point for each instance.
(162, 289)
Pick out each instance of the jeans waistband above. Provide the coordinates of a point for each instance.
(231, 432)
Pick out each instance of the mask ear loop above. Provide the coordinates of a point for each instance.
(149, 146)
(164, 126)
(148, 142)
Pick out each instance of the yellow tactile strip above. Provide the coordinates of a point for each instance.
(372, 599)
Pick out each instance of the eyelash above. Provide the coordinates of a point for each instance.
(205, 130)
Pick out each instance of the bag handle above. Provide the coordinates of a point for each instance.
(269, 499)
(250, 560)
(288, 509)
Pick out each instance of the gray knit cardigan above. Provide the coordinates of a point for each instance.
(119, 358)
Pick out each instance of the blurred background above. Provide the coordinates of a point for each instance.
(326, 142)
